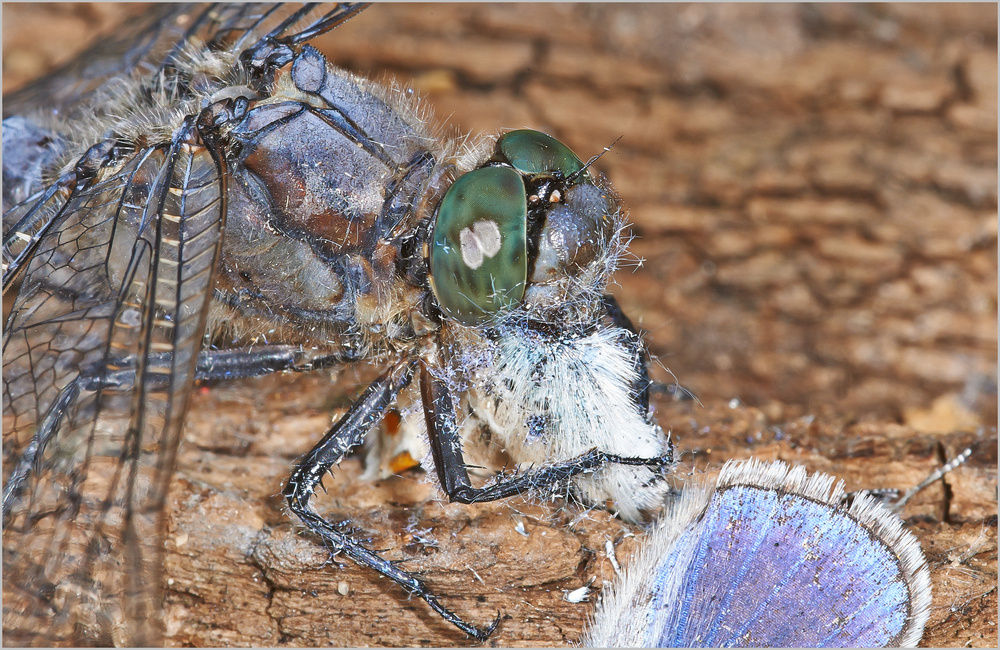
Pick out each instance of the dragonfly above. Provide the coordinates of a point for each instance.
(203, 197)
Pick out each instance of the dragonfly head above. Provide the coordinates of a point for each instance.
(530, 229)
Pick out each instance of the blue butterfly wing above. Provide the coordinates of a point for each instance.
(779, 570)
(770, 558)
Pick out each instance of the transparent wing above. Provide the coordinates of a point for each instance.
(99, 359)
(116, 261)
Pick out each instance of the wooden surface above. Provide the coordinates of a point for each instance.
(814, 195)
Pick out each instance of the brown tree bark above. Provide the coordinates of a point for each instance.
(814, 197)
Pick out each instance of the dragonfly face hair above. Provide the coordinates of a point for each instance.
(245, 186)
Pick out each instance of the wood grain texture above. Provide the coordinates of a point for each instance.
(814, 195)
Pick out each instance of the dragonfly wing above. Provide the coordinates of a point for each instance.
(99, 359)
(117, 261)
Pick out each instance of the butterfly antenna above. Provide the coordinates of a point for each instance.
(937, 474)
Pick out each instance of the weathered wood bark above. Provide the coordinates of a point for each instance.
(814, 193)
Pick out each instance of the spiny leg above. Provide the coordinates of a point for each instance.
(446, 448)
(347, 433)
(644, 384)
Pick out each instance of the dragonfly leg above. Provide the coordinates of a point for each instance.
(222, 365)
(277, 47)
(347, 433)
(643, 383)
(446, 448)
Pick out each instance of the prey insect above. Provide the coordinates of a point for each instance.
(238, 206)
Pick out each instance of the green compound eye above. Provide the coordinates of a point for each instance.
(478, 255)
(533, 152)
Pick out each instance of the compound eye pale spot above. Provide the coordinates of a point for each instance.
(481, 240)
(478, 253)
